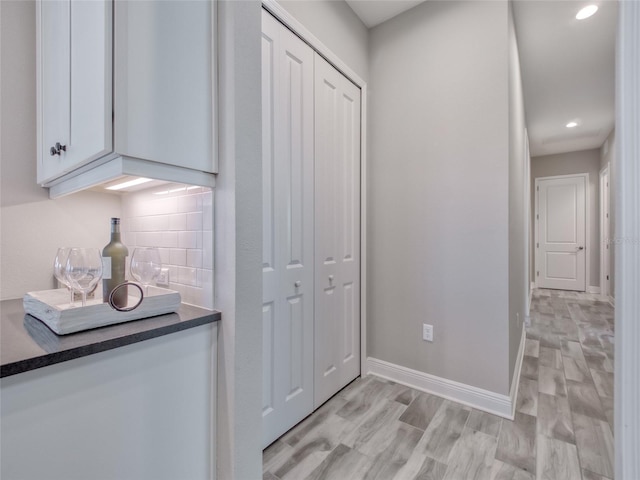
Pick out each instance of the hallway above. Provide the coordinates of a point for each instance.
(563, 429)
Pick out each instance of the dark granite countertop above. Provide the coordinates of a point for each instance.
(26, 343)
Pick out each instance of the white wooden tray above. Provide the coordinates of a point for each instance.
(52, 307)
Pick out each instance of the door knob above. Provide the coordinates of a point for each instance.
(330, 278)
(298, 284)
(580, 248)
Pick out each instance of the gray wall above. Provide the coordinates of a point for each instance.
(438, 192)
(586, 161)
(337, 27)
(608, 155)
(32, 226)
(518, 194)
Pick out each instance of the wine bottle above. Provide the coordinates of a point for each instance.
(114, 257)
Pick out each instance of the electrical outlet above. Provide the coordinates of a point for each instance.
(427, 332)
(163, 278)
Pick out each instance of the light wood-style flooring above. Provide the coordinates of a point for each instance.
(563, 428)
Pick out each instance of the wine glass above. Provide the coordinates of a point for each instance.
(84, 270)
(145, 266)
(59, 269)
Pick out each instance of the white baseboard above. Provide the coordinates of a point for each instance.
(592, 289)
(515, 380)
(495, 403)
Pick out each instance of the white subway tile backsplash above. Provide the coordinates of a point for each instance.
(145, 224)
(169, 240)
(187, 240)
(194, 258)
(131, 224)
(158, 223)
(207, 248)
(194, 221)
(164, 205)
(173, 274)
(148, 239)
(128, 238)
(206, 279)
(190, 203)
(188, 276)
(179, 223)
(178, 256)
(207, 211)
(165, 256)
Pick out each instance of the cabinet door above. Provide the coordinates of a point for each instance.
(164, 82)
(74, 84)
(287, 166)
(337, 231)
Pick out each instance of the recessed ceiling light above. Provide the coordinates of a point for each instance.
(572, 124)
(130, 183)
(586, 12)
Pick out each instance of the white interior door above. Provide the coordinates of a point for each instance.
(561, 247)
(287, 117)
(337, 200)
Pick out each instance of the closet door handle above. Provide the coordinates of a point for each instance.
(298, 284)
(330, 278)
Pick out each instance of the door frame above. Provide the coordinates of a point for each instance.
(605, 232)
(587, 226)
(273, 7)
(527, 230)
(627, 252)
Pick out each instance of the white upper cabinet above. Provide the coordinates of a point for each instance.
(125, 79)
(74, 85)
(163, 81)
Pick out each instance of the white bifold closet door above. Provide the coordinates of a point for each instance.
(288, 211)
(311, 229)
(337, 231)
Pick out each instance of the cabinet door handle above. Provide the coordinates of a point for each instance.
(57, 148)
(330, 278)
(298, 284)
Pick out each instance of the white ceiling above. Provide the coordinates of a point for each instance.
(374, 12)
(568, 73)
(567, 67)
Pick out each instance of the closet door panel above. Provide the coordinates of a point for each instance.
(269, 273)
(269, 89)
(337, 193)
(294, 220)
(287, 229)
(350, 233)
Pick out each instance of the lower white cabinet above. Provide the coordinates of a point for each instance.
(142, 411)
(311, 229)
